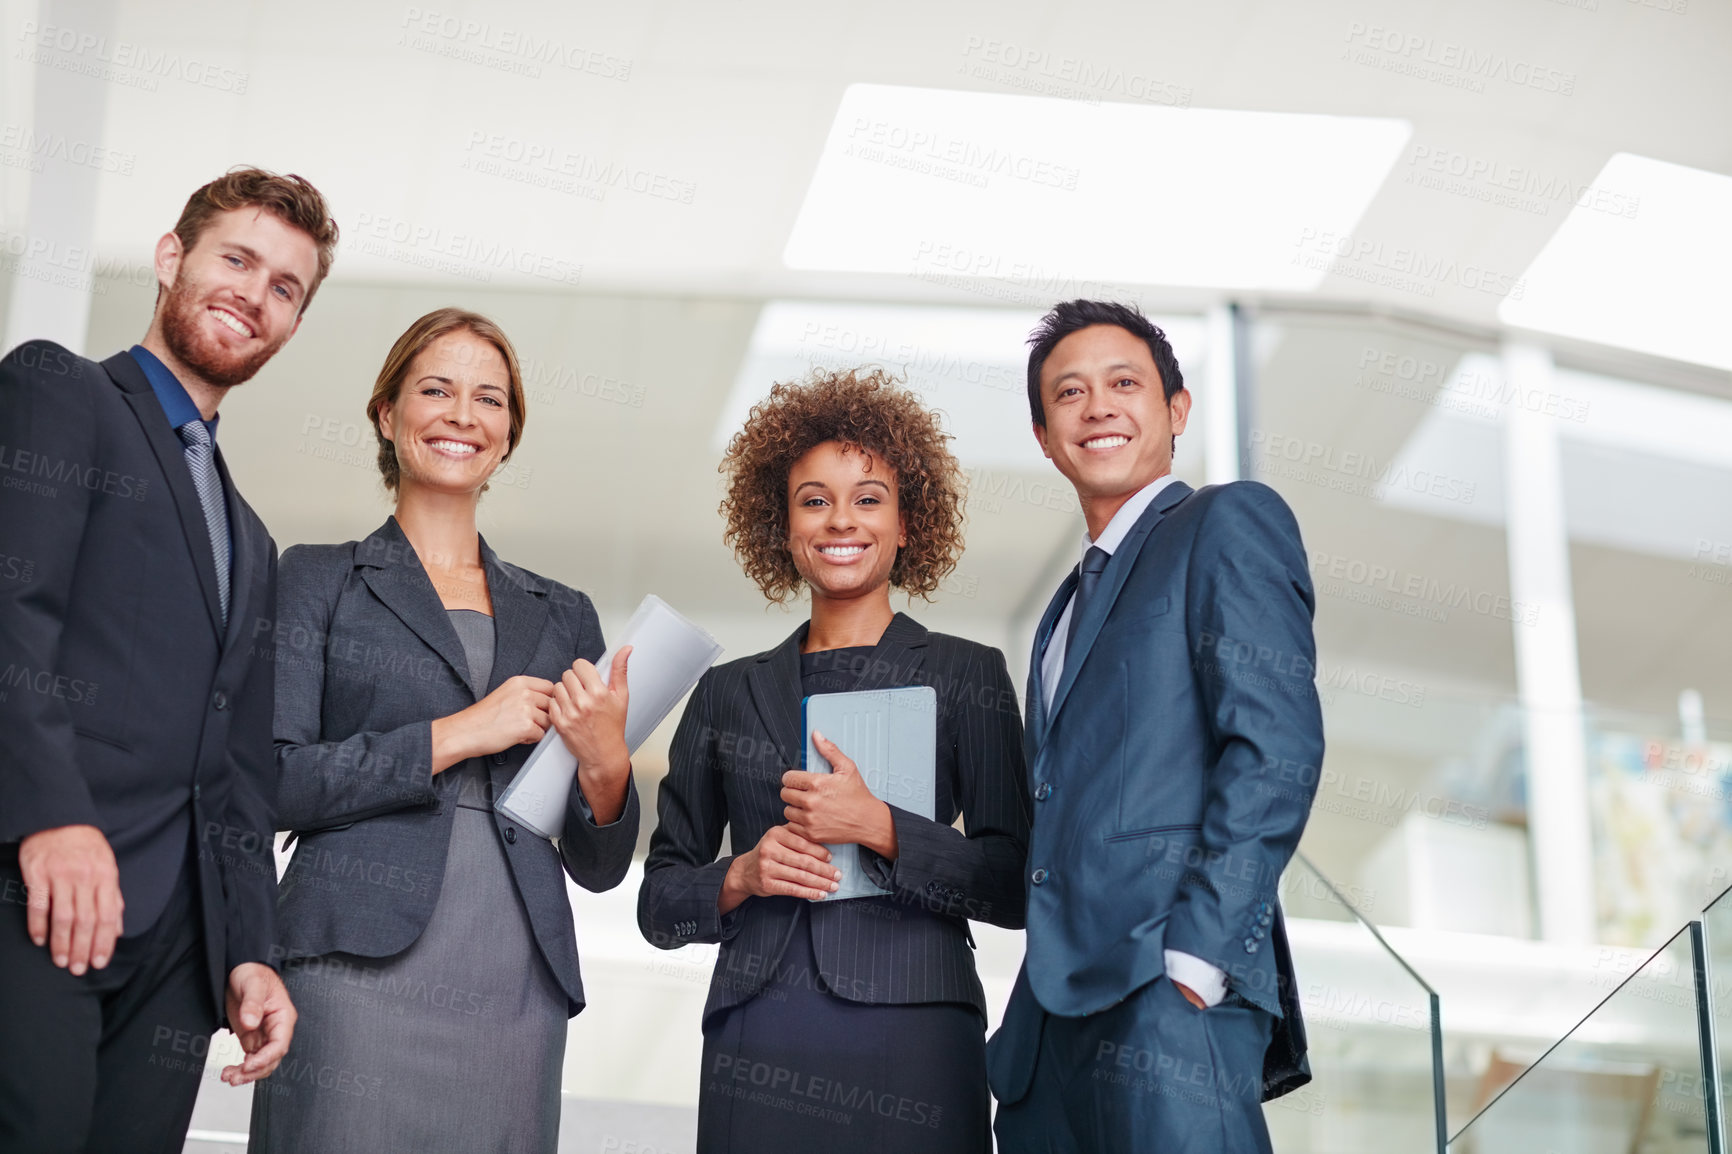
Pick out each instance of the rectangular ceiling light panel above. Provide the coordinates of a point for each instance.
(947, 185)
(1643, 261)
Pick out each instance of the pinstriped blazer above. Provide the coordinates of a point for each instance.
(741, 731)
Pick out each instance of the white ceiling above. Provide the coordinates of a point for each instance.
(731, 104)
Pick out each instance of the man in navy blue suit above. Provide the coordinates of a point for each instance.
(1170, 710)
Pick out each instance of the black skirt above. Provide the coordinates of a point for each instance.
(799, 1068)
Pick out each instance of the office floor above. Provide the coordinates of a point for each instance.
(219, 1124)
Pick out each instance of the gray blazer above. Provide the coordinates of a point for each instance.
(366, 659)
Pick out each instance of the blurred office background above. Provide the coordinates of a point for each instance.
(1453, 278)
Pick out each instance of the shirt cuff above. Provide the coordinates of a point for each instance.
(1204, 980)
(589, 814)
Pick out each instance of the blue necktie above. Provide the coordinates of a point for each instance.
(201, 459)
(1088, 579)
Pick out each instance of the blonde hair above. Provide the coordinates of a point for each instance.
(413, 342)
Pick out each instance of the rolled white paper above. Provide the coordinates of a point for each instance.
(668, 655)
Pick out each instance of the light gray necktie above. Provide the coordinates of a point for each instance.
(201, 459)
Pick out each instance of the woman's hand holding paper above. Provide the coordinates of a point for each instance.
(589, 715)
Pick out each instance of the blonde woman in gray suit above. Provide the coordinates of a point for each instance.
(428, 939)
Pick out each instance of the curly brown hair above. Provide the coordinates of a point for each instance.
(863, 409)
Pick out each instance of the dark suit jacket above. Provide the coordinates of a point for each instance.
(366, 660)
(124, 702)
(741, 731)
(1168, 764)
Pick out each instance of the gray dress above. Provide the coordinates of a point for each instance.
(456, 1043)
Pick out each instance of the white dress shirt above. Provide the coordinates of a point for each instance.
(1209, 982)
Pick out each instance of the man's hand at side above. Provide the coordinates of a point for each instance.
(74, 897)
(262, 1017)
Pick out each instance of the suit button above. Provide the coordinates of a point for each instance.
(1258, 932)
(511, 834)
(1250, 945)
(1038, 877)
(497, 759)
(195, 791)
(1265, 919)
(1043, 791)
(219, 700)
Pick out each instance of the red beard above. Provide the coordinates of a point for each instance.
(201, 352)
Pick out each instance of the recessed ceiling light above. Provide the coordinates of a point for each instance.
(1643, 261)
(1073, 199)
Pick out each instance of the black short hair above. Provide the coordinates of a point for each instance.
(1072, 316)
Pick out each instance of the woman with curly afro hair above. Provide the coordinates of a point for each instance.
(858, 1024)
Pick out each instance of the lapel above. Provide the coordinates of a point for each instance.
(1112, 580)
(244, 543)
(170, 455)
(519, 616)
(896, 658)
(393, 572)
(774, 678)
(1035, 697)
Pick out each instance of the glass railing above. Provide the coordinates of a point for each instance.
(1421, 820)
(1636, 1075)
(1372, 1024)
(1717, 1013)
(1629, 1077)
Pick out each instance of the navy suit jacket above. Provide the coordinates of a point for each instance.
(1163, 773)
(366, 659)
(741, 731)
(125, 702)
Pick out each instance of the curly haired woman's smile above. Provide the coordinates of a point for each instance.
(844, 521)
